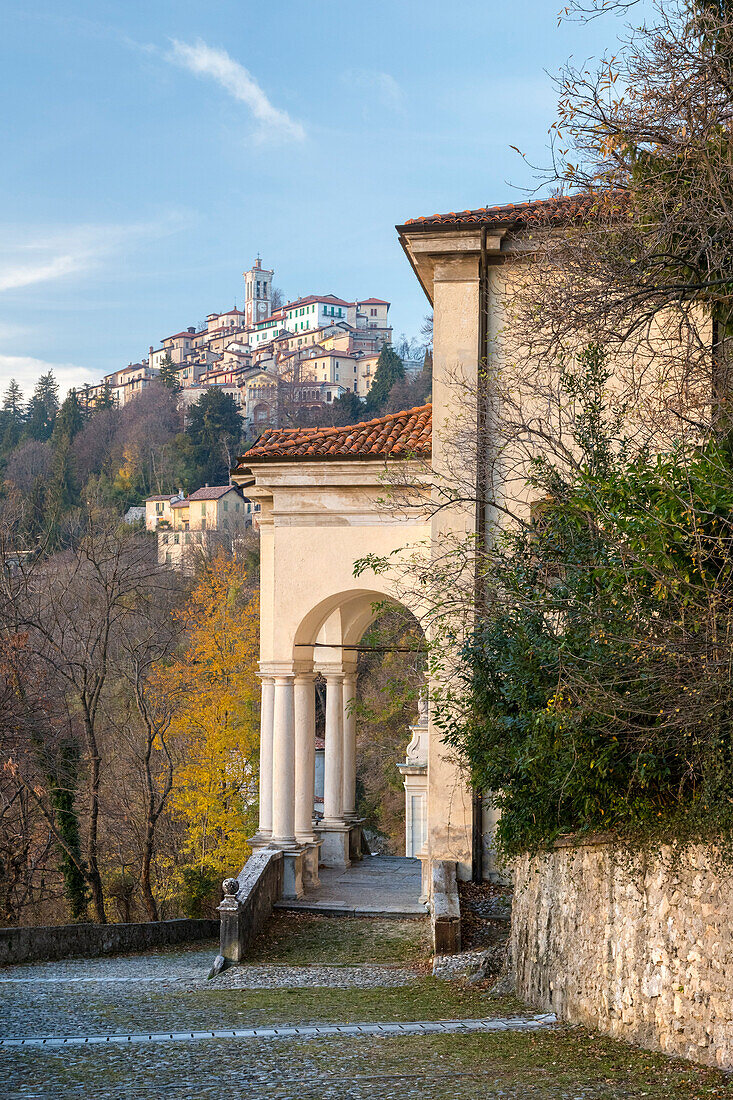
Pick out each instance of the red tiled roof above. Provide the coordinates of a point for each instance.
(554, 211)
(398, 435)
(212, 492)
(329, 299)
(372, 302)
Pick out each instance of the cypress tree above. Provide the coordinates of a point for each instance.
(390, 369)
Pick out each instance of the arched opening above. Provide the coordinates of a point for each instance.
(371, 650)
(391, 784)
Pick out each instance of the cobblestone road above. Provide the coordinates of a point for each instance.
(282, 1042)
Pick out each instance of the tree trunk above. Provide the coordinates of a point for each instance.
(93, 875)
(151, 905)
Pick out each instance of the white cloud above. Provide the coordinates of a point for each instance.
(26, 371)
(206, 61)
(382, 87)
(39, 256)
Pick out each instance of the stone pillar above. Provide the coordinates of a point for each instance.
(283, 764)
(305, 775)
(349, 720)
(334, 761)
(264, 831)
(305, 755)
(333, 830)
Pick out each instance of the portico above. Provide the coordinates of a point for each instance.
(321, 495)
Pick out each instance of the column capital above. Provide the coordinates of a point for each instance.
(331, 672)
(273, 669)
(305, 676)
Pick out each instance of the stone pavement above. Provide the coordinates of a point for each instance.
(342, 1011)
(377, 886)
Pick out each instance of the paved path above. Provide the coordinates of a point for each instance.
(377, 886)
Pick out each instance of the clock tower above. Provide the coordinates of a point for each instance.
(257, 293)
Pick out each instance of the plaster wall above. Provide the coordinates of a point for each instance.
(455, 366)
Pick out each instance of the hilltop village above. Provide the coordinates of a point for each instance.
(306, 353)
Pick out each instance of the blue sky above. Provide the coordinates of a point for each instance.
(153, 148)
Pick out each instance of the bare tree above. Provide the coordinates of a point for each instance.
(75, 609)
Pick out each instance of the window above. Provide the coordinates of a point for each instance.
(176, 539)
(159, 508)
(236, 506)
(226, 505)
(165, 540)
(373, 312)
(203, 509)
(328, 396)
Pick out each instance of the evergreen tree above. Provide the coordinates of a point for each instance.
(347, 409)
(390, 369)
(12, 419)
(106, 399)
(13, 400)
(63, 491)
(215, 429)
(42, 408)
(167, 374)
(70, 419)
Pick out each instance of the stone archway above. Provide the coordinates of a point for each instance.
(321, 509)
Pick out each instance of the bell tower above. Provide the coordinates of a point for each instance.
(257, 293)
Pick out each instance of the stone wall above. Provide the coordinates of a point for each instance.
(18, 945)
(643, 952)
(248, 902)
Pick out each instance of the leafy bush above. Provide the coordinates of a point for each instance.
(600, 677)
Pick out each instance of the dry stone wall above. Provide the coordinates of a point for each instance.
(640, 950)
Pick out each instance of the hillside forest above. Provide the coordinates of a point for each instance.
(129, 702)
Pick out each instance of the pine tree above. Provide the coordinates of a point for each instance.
(106, 398)
(167, 374)
(12, 417)
(63, 491)
(215, 428)
(70, 419)
(390, 369)
(13, 401)
(43, 407)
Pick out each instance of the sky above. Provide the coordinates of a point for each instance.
(152, 148)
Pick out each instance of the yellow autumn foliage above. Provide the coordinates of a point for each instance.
(215, 729)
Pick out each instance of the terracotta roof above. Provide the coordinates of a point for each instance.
(212, 492)
(372, 302)
(399, 435)
(329, 299)
(553, 211)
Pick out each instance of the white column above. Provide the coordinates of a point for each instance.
(283, 763)
(266, 709)
(349, 783)
(334, 761)
(305, 755)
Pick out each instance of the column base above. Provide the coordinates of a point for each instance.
(334, 838)
(259, 840)
(293, 873)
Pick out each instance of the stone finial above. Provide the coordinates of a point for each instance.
(230, 887)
